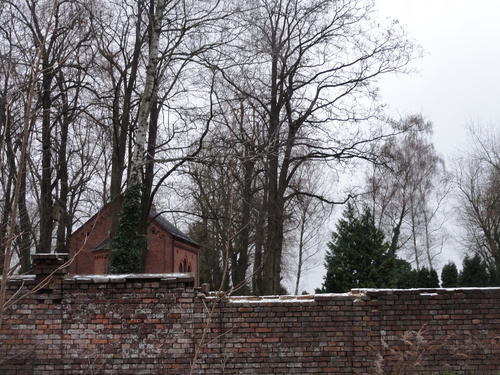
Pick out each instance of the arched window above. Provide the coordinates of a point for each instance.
(181, 267)
(189, 267)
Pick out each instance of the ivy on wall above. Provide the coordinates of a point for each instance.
(127, 248)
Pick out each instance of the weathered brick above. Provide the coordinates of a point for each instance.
(151, 326)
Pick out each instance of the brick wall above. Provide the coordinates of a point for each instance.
(165, 251)
(154, 324)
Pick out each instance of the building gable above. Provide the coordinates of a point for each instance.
(168, 247)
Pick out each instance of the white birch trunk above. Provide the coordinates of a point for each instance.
(148, 96)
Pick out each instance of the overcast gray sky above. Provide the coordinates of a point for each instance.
(458, 78)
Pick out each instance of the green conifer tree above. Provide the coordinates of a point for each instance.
(423, 276)
(494, 276)
(474, 272)
(427, 278)
(433, 279)
(404, 275)
(358, 256)
(449, 275)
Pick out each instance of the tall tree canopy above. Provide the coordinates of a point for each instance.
(300, 88)
(242, 97)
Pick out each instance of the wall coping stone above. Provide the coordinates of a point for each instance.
(119, 278)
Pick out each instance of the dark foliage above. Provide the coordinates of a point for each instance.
(449, 276)
(127, 249)
(403, 277)
(474, 272)
(358, 256)
(427, 278)
(494, 276)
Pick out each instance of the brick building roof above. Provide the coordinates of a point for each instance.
(169, 227)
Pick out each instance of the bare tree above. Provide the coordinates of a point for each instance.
(150, 62)
(309, 67)
(10, 115)
(477, 174)
(18, 176)
(127, 93)
(51, 34)
(231, 163)
(98, 59)
(308, 218)
(407, 191)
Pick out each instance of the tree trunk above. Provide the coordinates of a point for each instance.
(148, 97)
(46, 201)
(274, 241)
(62, 174)
(121, 128)
(9, 179)
(25, 227)
(147, 183)
(243, 239)
(301, 254)
(120, 132)
(135, 181)
(257, 277)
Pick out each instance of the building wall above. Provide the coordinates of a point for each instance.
(185, 259)
(85, 239)
(165, 253)
(154, 324)
(159, 255)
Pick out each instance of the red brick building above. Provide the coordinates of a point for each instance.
(169, 249)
